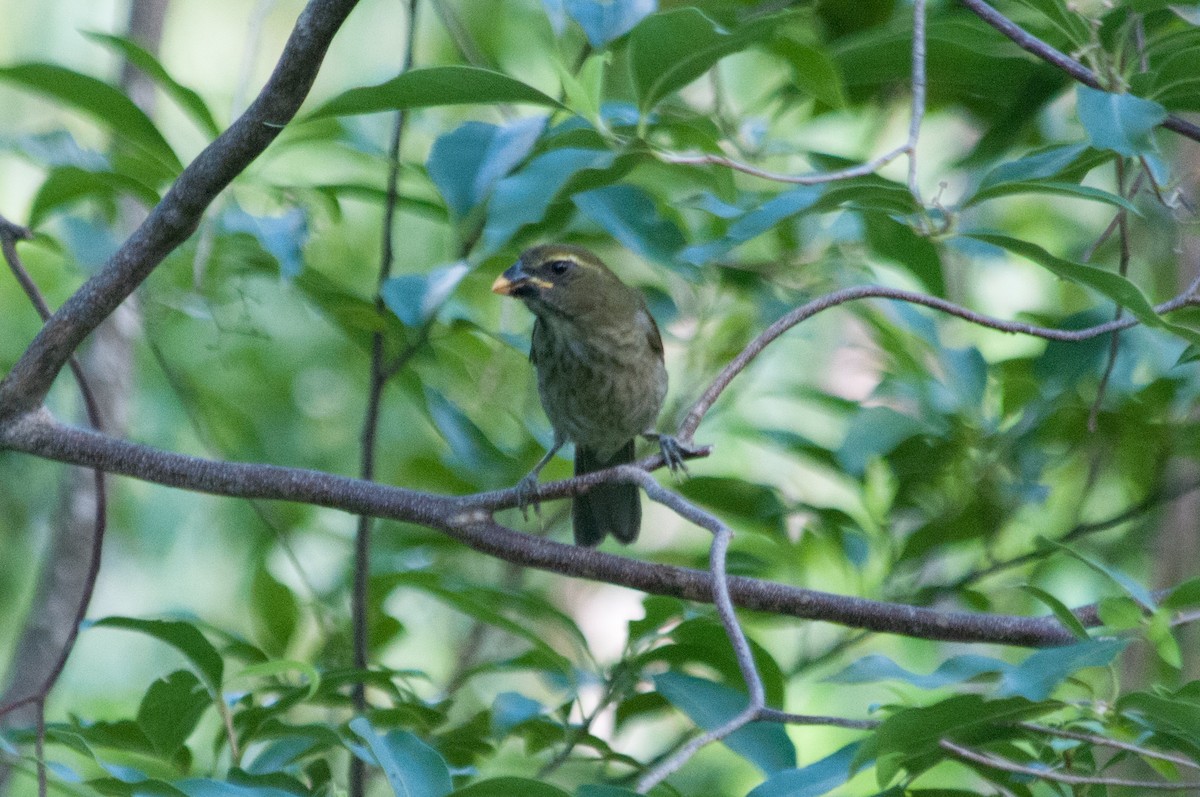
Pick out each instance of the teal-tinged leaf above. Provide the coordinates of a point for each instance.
(510, 709)
(203, 787)
(412, 768)
(524, 197)
(1041, 672)
(710, 705)
(185, 98)
(595, 790)
(630, 215)
(434, 86)
(670, 50)
(813, 780)
(103, 102)
(184, 637)
(1060, 609)
(468, 161)
(754, 222)
(67, 184)
(1072, 190)
(1119, 122)
(1044, 164)
(415, 298)
(955, 670)
(875, 432)
(605, 20)
(1165, 713)
(283, 236)
(170, 710)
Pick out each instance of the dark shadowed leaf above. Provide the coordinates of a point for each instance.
(510, 787)
(67, 184)
(170, 710)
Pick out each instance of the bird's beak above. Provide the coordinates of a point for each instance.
(515, 278)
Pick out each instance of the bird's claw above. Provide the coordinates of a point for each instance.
(673, 453)
(527, 495)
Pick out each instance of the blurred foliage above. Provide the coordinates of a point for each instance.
(880, 450)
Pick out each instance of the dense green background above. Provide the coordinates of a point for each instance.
(878, 450)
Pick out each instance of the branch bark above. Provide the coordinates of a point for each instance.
(176, 216)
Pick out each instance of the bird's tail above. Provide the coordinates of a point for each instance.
(607, 508)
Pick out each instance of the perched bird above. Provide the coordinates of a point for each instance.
(600, 372)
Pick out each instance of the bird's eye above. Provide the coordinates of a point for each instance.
(561, 267)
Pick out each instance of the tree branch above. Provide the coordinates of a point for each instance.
(468, 519)
(1032, 44)
(176, 216)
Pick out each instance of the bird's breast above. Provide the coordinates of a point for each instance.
(601, 388)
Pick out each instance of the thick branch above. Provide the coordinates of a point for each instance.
(176, 216)
(469, 520)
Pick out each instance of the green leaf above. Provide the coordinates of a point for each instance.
(1060, 609)
(1108, 283)
(282, 236)
(742, 503)
(187, 99)
(1122, 123)
(468, 161)
(67, 184)
(671, 49)
(510, 787)
(1171, 714)
(184, 637)
(434, 86)
(413, 768)
(1120, 613)
(277, 667)
(170, 710)
(1185, 596)
(813, 70)
(813, 780)
(1041, 672)
(1054, 188)
(103, 102)
(415, 298)
(710, 705)
(875, 432)
(1057, 162)
(900, 243)
(276, 611)
(595, 790)
(1132, 588)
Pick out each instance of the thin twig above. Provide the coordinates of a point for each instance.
(1114, 341)
(718, 554)
(754, 348)
(9, 235)
(1105, 741)
(918, 98)
(1005, 765)
(359, 610)
(774, 715)
(862, 170)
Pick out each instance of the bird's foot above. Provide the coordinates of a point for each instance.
(673, 452)
(527, 496)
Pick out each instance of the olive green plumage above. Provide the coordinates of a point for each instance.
(601, 378)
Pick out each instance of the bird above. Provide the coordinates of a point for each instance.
(601, 378)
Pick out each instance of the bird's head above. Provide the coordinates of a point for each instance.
(563, 280)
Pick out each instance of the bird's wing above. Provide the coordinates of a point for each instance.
(646, 322)
(535, 340)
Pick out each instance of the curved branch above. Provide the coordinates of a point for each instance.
(468, 519)
(176, 216)
(804, 312)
